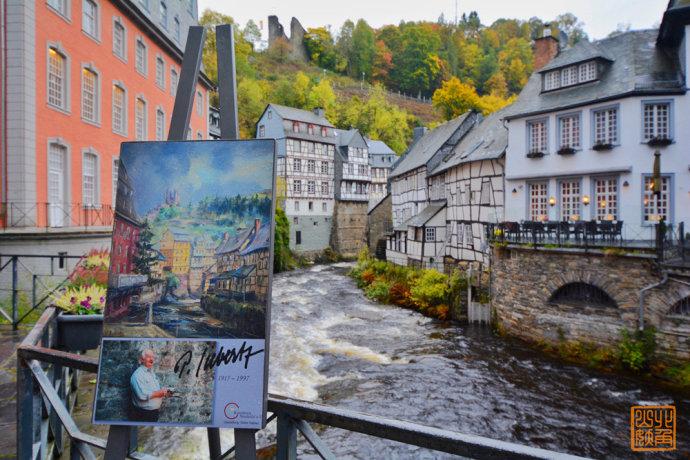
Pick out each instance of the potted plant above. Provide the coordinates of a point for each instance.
(659, 141)
(535, 154)
(80, 322)
(566, 150)
(601, 146)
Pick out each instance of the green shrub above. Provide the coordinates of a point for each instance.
(378, 290)
(430, 289)
(636, 350)
(679, 374)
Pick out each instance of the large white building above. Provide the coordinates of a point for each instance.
(584, 130)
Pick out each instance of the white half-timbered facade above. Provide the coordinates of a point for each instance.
(382, 159)
(352, 171)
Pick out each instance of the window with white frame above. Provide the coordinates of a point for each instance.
(262, 131)
(119, 110)
(177, 29)
(297, 186)
(164, 14)
(160, 72)
(362, 170)
(57, 79)
(119, 40)
(468, 238)
(140, 56)
(173, 81)
(160, 125)
(89, 21)
(57, 183)
(656, 120)
(296, 209)
(606, 198)
(587, 71)
(538, 136)
(606, 126)
(350, 169)
(569, 76)
(311, 166)
(89, 180)
(657, 208)
(569, 131)
(324, 188)
(324, 207)
(311, 187)
(538, 201)
(297, 165)
(140, 119)
(61, 6)
(430, 234)
(570, 200)
(199, 104)
(552, 80)
(89, 95)
(115, 170)
(324, 167)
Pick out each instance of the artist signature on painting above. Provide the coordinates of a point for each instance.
(209, 359)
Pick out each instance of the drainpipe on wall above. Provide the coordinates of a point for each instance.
(643, 291)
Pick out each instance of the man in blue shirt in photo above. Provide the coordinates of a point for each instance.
(147, 394)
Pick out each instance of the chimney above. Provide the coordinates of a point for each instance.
(257, 225)
(319, 112)
(545, 48)
(418, 132)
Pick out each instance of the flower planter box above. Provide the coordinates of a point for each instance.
(602, 147)
(535, 154)
(660, 142)
(79, 332)
(566, 151)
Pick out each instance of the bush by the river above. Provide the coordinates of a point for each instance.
(427, 291)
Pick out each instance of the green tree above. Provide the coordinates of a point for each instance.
(243, 49)
(363, 50)
(251, 33)
(454, 98)
(321, 49)
(251, 99)
(322, 95)
(344, 44)
(572, 26)
(281, 256)
(145, 255)
(417, 67)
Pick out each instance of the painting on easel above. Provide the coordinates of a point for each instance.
(189, 286)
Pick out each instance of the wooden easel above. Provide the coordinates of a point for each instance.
(122, 439)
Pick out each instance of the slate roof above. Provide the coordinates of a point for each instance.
(233, 243)
(426, 214)
(306, 116)
(583, 51)
(345, 137)
(424, 149)
(260, 241)
(487, 140)
(639, 67)
(378, 147)
(387, 160)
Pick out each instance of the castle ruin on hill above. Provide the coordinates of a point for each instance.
(298, 50)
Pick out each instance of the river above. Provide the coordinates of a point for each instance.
(330, 344)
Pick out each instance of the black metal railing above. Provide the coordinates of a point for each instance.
(17, 214)
(47, 380)
(660, 239)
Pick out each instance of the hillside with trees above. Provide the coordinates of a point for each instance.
(360, 75)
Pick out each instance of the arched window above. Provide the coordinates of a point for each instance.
(682, 307)
(584, 294)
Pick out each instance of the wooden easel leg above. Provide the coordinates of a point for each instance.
(245, 444)
(117, 446)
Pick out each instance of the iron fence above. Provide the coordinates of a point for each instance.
(47, 382)
(44, 215)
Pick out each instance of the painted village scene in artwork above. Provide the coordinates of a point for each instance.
(190, 254)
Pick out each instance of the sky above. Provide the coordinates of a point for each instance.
(196, 170)
(600, 16)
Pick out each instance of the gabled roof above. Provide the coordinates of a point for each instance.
(487, 140)
(233, 243)
(260, 240)
(639, 68)
(378, 147)
(306, 116)
(427, 214)
(424, 149)
(387, 160)
(584, 50)
(345, 137)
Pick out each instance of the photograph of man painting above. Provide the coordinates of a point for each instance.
(191, 239)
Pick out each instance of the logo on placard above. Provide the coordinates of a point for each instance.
(231, 410)
(652, 428)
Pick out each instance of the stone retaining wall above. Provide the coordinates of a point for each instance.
(523, 280)
(245, 320)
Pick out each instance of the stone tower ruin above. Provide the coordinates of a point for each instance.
(298, 51)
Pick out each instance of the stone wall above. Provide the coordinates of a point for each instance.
(315, 234)
(523, 281)
(298, 50)
(379, 222)
(349, 234)
(120, 358)
(244, 319)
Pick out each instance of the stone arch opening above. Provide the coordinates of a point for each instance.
(582, 294)
(682, 307)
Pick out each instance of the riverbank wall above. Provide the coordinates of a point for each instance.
(552, 295)
(247, 320)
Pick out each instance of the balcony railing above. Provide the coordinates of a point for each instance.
(666, 241)
(48, 216)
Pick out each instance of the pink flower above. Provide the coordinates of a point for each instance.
(102, 299)
(72, 300)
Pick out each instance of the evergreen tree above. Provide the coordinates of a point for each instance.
(145, 256)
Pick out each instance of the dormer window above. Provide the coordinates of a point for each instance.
(570, 75)
(295, 127)
(310, 129)
(324, 132)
